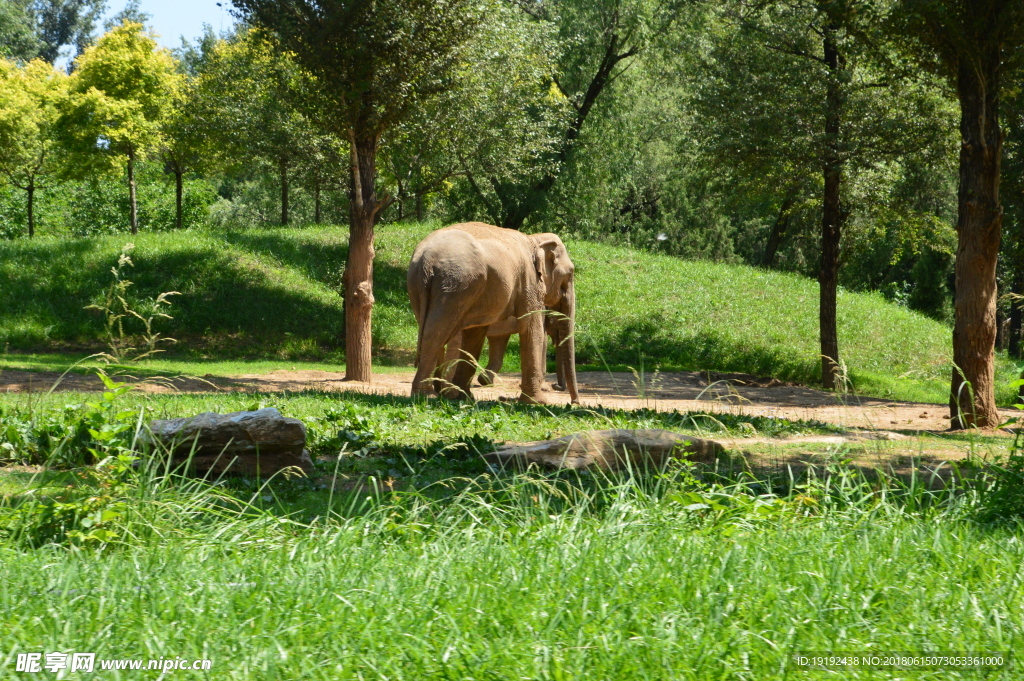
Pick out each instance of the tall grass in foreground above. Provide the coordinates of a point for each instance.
(647, 576)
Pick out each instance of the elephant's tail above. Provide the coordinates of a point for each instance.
(419, 332)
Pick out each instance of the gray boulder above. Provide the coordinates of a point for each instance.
(241, 443)
(608, 450)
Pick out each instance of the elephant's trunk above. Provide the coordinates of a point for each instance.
(565, 353)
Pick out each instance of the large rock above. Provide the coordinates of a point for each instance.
(241, 443)
(609, 450)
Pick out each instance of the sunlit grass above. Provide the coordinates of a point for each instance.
(430, 564)
(524, 577)
(269, 297)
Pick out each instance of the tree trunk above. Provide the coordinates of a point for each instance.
(178, 191)
(1000, 331)
(979, 223)
(359, 267)
(30, 208)
(1013, 348)
(316, 201)
(832, 214)
(421, 208)
(134, 217)
(778, 231)
(284, 191)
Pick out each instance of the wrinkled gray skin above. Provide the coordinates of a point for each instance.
(498, 335)
(468, 276)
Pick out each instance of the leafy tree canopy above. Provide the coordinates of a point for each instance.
(62, 23)
(18, 39)
(121, 91)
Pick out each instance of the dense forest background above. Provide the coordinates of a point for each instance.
(694, 129)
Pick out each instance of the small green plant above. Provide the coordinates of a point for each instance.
(74, 435)
(644, 384)
(116, 308)
(84, 514)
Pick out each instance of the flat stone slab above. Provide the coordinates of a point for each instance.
(258, 442)
(608, 450)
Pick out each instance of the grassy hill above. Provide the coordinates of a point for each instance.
(272, 294)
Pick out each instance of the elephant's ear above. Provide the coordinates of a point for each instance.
(546, 245)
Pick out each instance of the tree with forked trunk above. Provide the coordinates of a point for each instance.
(599, 41)
(976, 45)
(371, 63)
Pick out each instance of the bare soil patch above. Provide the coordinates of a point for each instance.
(671, 391)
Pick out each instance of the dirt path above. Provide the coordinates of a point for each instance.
(682, 391)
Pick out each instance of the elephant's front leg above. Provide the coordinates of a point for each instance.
(551, 328)
(465, 367)
(532, 351)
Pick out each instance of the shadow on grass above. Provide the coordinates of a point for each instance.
(319, 260)
(18, 480)
(229, 302)
(655, 342)
(324, 262)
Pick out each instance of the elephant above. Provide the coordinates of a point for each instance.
(498, 335)
(468, 276)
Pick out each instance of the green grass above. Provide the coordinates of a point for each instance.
(169, 365)
(466, 573)
(461, 572)
(470, 591)
(270, 296)
(390, 421)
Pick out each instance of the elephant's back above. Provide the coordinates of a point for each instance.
(485, 232)
(448, 258)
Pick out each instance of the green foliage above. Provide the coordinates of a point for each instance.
(63, 23)
(30, 101)
(121, 92)
(99, 205)
(17, 37)
(649, 574)
(247, 101)
(595, 43)
(497, 121)
(1002, 499)
(372, 62)
(77, 518)
(75, 435)
(13, 223)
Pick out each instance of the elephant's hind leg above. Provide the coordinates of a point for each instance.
(465, 368)
(450, 359)
(438, 329)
